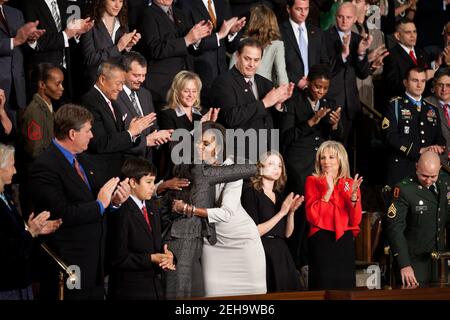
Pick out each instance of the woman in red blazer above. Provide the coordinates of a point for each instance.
(333, 210)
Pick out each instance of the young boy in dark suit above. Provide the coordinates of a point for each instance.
(135, 239)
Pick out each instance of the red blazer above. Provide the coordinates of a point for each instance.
(338, 214)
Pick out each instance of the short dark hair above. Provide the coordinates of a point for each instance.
(441, 72)
(290, 3)
(107, 66)
(249, 42)
(319, 71)
(136, 168)
(402, 21)
(417, 69)
(70, 116)
(129, 57)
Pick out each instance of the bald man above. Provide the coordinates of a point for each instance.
(416, 221)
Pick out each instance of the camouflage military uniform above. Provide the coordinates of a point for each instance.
(407, 128)
(415, 226)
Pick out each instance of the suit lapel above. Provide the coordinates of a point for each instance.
(202, 9)
(138, 217)
(102, 28)
(405, 56)
(291, 35)
(105, 105)
(165, 17)
(143, 102)
(47, 15)
(71, 172)
(240, 81)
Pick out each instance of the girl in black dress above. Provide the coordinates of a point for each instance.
(274, 219)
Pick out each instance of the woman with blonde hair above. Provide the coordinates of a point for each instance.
(274, 218)
(183, 103)
(333, 210)
(183, 109)
(263, 26)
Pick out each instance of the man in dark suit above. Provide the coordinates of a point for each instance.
(111, 140)
(441, 100)
(404, 56)
(135, 101)
(167, 39)
(248, 100)
(64, 183)
(296, 33)
(137, 256)
(347, 52)
(210, 53)
(54, 45)
(13, 34)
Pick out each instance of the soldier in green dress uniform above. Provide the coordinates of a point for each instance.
(416, 221)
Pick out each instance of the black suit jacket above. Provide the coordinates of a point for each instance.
(164, 47)
(97, 47)
(396, 64)
(110, 140)
(239, 107)
(343, 88)
(124, 106)
(50, 47)
(316, 50)
(15, 248)
(12, 77)
(133, 275)
(59, 189)
(210, 59)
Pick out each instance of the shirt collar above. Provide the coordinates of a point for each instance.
(103, 95)
(163, 8)
(295, 25)
(407, 49)
(50, 107)
(180, 112)
(413, 100)
(342, 34)
(138, 202)
(66, 153)
(127, 90)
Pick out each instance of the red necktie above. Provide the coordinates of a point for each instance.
(145, 213)
(77, 167)
(413, 57)
(446, 112)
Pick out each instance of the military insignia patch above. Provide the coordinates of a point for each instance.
(396, 192)
(385, 124)
(34, 131)
(392, 211)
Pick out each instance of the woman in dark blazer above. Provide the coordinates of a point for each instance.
(16, 239)
(311, 119)
(183, 108)
(108, 38)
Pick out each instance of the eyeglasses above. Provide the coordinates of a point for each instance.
(443, 85)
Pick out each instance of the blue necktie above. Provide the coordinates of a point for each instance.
(303, 46)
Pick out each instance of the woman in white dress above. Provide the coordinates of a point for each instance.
(263, 26)
(235, 264)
